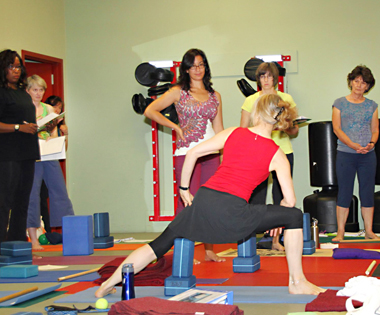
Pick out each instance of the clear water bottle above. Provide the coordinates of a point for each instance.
(128, 289)
(315, 232)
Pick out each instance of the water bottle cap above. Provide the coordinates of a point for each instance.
(315, 221)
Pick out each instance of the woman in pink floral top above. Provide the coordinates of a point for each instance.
(199, 109)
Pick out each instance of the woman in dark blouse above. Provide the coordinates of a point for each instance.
(18, 147)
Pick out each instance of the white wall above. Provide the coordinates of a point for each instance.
(110, 149)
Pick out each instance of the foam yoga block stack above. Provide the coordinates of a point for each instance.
(102, 237)
(15, 252)
(182, 277)
(308, 243)
(77, 235)
(247, 260)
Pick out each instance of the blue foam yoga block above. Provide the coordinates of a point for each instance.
(103, 242)
(16, 260)
(308, 247)
(77, 235)
(15, 248)
(19, 271)
(183, 257)
(101, 224)
(246, 264)
(306, 227)
(247, 248)
(176, 285)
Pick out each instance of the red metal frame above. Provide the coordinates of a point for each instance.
(156, 174)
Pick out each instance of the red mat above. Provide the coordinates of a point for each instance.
(58, 248)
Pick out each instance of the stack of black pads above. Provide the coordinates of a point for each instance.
(148, 75)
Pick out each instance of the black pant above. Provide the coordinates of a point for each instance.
(259, 195)
(274, 217)
(16, 181)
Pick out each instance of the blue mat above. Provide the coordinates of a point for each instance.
(52, 276)
(241, 295)
(27, 296)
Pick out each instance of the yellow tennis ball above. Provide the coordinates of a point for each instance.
(101, 304)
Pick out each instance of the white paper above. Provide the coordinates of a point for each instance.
(54, 149)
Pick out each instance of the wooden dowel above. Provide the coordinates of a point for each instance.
(78, 274)
(17, 294)
(369, 269)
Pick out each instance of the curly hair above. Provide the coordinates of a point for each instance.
(265, 67)
(365, 73)
(187, 63)
(7, 58)
(271, 109)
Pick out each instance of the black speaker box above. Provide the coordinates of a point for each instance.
(322, 154)
(322, 206)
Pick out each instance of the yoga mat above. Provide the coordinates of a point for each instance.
(74, 260)
(211, 281)
(52, 276)
(241, 295)
(58, 248)
(27, 296)
(36, 300)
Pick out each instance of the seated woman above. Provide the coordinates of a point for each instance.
(220, 212)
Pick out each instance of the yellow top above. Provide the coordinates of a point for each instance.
(279, 137)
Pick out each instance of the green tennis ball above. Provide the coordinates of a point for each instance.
(43, 239)
(101, 304)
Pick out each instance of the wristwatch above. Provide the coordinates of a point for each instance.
(17, 128)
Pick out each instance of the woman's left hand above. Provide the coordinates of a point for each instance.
(64, 130)
(186, 196)
(366, 149)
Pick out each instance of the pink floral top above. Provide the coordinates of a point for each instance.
(193, 116)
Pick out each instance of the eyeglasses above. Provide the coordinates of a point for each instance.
(14, 68)
(195, 67)
(266, 76)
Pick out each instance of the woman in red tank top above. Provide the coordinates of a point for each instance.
(220, 212)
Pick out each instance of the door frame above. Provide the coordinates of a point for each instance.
(57, 65)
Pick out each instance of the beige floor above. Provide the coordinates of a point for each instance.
(268, 309)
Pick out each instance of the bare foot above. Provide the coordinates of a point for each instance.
(371, 236)
(37, 257)
(37, 246)
(278, 246)
(211, 256)
(303, 286)
(196, 262)
(104, 290)
(339, 237)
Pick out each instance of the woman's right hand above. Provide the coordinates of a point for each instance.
(186, 197)
(179, 133)
(28, 128)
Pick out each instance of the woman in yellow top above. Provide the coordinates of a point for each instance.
(267, 79)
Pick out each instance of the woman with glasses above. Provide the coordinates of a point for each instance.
(356, 124)
(267, 79)
(199, 109)
(48, 171)
(220, 212)
(18, 147)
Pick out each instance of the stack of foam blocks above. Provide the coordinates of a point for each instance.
(102, 237)
(16, 260)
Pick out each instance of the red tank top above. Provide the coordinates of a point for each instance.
(246, 159)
